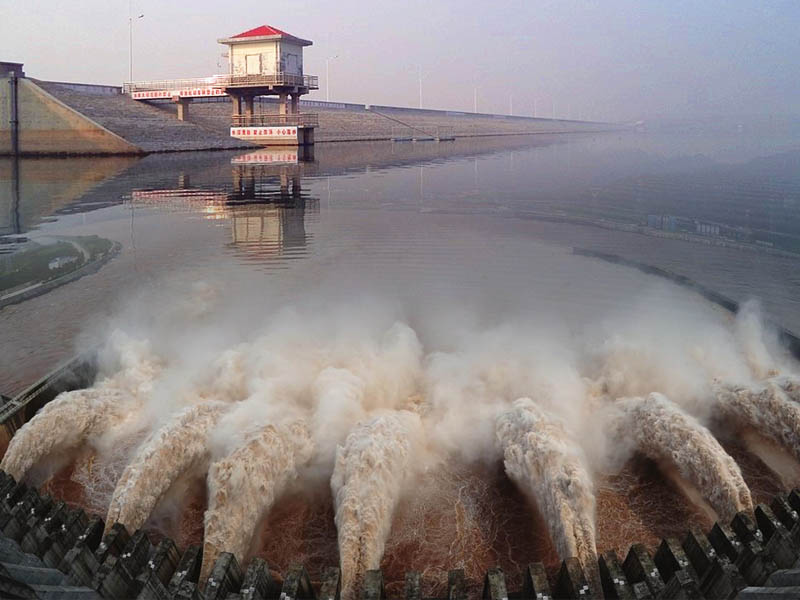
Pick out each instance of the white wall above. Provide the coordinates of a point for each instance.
(291, 58)
(267, 50)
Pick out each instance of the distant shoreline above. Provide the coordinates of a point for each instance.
(790, 339)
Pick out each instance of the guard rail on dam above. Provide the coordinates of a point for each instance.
(51, 550)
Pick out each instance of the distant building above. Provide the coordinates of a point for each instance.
(707, 228)
(6, 68)
(665, 222)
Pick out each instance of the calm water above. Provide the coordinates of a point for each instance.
(486, 224)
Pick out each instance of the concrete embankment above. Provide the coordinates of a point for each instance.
(62, 118)
(346, 122)
(49, 126)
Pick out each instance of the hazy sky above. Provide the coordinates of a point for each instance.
(610, 59)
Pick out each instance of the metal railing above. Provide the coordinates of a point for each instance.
(306, 81)
(273, 120)
(310, 82)
(169, 84)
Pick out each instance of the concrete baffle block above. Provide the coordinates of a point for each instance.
(670, 558)
(116, 577)
(412, 589)
(793, 498)
(682, 585)
(41, 536)
(135, 554)
(787, 515)
(779, 545)
(13, 494)
(111, 580)
(724, 541)
(699, 551)
(75, 525)
(456, 585)
(331, 587)
(722, 580)
(21, 504)
(162, 563)
(225, 577)
(257, 582)
(719, 578)
(188, 569)
(187, 590)
(748, 557)
(571, 581)
(373, 586)
(494, 585)
(612, 578)
(641, 591)
(639, 567)
(151, 588)
(534, 582)
(745, 529)
(80, 565)
(113, 543)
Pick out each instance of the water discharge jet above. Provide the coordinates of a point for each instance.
(180, 446)
(64, 425)
(371, 469)
(661, 431)
(765, 409)
(542, 459)
(244, 485)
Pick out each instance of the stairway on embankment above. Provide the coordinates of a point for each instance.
(141, 124)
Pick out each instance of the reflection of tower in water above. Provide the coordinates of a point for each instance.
(267, 205)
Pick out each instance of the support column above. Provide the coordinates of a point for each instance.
(282, 103)
(284, 183)
(183, 108)
(236, 100)
(295, 105)
(248, 106)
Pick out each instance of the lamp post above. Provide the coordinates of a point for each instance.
(130, 39)
(328, 76)
(420, 86)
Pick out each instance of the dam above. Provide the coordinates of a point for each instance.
(57, 118)
(49, 549)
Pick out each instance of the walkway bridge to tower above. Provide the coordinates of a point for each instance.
(287, 127)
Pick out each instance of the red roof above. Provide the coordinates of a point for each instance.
(263, 30)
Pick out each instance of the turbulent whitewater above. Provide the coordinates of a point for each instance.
(368, 407)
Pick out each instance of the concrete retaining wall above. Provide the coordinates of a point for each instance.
(48, 126)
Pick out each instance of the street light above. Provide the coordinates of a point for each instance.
(130, 39)
(328, 77)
